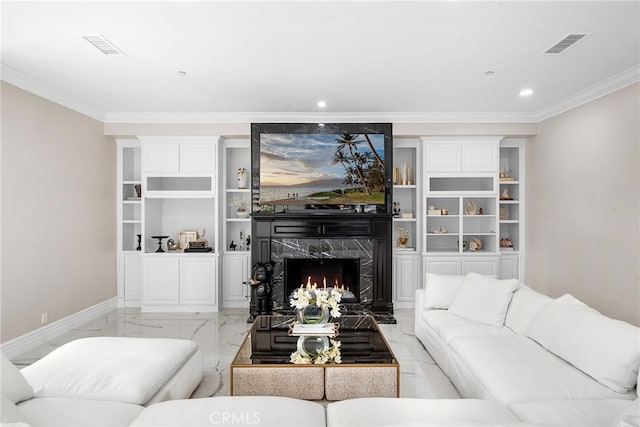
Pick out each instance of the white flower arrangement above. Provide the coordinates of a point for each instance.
(323, 298)
(332, 355)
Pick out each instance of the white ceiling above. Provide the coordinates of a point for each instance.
(395, 60)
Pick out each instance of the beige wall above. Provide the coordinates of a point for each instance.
(583, 198)
(58, 216)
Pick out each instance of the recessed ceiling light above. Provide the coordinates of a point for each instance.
(322, 104)
(182, 73)
(526, 92)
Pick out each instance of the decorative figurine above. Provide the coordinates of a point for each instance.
(471, 208)
(396, 209)
(172, 245)
(403, 237)
(138, 189)
(261, 289)
(139, 248)
(475, 245)
(247, 243)
(232, 246)
(241, 176)
(505, 194)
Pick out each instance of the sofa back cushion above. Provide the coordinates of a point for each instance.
(525, 304)
(14, 385)
(440, 290)
(608, 350)
(483, 298)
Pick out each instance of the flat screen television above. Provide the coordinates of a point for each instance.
(315, 166)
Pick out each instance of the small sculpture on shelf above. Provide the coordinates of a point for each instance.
(139, 248)
(471, 208)
(241, 177)
(504, 195)
(506, 244)
(172, 245)
(396, 209)
(138, 189)
(232, 246)
(403, 237)
(475, 245)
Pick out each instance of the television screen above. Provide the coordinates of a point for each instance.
(330, 165)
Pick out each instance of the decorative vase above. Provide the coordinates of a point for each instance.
(244, 213)
(311, 345)
(241, 176)
(313, 315)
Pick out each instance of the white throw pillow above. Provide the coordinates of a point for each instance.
(440, 290)
(525, 304)
(608, 350)
(14, 385)
(483, 298)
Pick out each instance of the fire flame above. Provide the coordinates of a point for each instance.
(314, 285)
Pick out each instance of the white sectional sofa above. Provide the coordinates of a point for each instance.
(519, 358)
(550, 361)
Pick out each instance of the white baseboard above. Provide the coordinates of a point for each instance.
(404, 304)
(19, 345)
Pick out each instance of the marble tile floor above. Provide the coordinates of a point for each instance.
(220, 334)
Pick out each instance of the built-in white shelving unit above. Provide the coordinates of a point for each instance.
(236, 226)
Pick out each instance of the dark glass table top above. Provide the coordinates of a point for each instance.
(269, 341)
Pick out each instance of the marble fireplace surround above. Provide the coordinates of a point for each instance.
(350, 248)
(366, 237)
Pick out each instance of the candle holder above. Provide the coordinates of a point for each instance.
(159, 242)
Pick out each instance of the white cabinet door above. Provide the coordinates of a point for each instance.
(197, 281)
(509, 267)
(441, 265)
(484, 265)
(161, 279)
(442, 157)
(161, 157)
(406, 272)
(132, 280)
(479, 157)
(236, 271)
(197, 157)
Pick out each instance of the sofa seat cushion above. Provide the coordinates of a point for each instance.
(261, 411)
(10, 415)
(449, 326)
(56, 411)
(128, 370)
(417, 412)
(513, 369)
(578, 413)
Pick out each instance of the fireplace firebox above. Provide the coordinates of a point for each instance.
(338, 273)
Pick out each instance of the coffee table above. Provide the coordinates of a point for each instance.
(262, 364)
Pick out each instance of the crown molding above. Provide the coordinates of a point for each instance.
(603, 88)
(31, 84)
(37, 87)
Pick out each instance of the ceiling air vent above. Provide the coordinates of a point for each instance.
(565, 43)
(103, 45)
